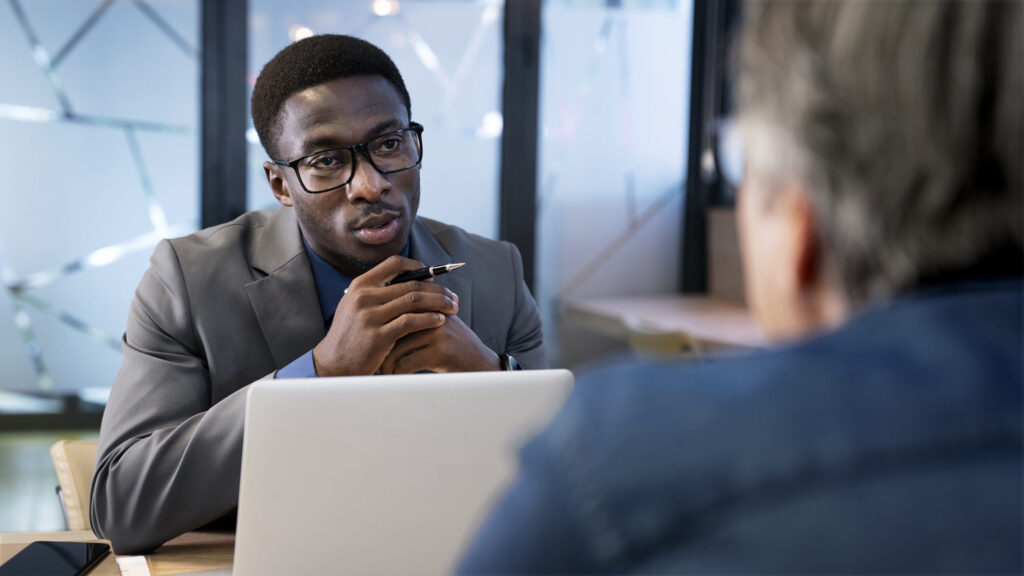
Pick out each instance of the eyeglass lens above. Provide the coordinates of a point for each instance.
(333, 168)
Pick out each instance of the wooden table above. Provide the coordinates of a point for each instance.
(189, 552)
(704, 319)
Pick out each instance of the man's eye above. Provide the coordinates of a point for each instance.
(389, 145)
(326, 162)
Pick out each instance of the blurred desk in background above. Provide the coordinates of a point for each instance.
(190, 552)
(667, 324)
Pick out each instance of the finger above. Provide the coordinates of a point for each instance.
(386, 270)
(416, 302)
(373, 309)
(415, 361)
(371, 296)
(413, 322)
(405, 346)
(391, 363)
(398, 290)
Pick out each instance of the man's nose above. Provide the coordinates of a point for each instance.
(367, 183)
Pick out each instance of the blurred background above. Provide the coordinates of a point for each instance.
(582, 130)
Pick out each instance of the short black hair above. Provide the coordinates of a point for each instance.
(313, 61)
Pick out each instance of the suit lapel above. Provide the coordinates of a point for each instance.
(285, 299)
(428, 250)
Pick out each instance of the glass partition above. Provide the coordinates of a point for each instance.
(98, 109)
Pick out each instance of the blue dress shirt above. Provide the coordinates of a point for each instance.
(330, 287)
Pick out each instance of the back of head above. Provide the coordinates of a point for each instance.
(313, 61)
(903, 119)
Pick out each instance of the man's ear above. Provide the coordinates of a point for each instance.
(806, 245)
(813, 285)
(278, 184)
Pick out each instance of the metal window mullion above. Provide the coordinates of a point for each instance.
(520, 109)
(223, 149)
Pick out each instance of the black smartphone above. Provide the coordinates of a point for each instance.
(55, 559)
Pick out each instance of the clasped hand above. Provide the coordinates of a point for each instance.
(399, 329)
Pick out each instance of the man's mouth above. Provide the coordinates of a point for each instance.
(379, 228)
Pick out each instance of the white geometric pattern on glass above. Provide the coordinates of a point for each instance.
(99, 133)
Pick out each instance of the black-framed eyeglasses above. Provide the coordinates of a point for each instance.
(333, 168)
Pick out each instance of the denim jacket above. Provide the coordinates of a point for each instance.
(891, 445)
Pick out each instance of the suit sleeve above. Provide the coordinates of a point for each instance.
(525, 337)
(169, 461)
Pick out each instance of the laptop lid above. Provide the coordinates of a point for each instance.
(380, 474)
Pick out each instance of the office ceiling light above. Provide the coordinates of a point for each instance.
(491, 126)
(492, 12)
(385, 7)
(297, 33)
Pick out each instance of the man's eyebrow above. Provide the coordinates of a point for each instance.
(385, 126)
(311, 146)
(317, 144)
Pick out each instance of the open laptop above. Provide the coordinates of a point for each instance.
(380, 474)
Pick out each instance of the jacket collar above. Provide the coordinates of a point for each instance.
(427, 249)
(277, 243)
(284, 299)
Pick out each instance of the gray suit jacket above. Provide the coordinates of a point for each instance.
(222, 308)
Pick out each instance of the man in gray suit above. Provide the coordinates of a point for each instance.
(262, 296)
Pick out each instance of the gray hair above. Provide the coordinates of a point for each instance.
(903, 119)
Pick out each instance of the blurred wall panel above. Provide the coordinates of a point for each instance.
(614, 104)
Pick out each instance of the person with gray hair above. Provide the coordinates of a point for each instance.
(881, 216)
